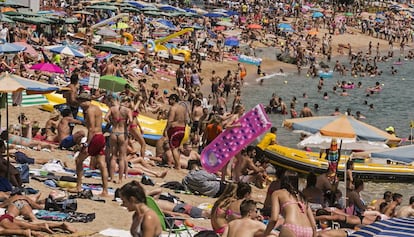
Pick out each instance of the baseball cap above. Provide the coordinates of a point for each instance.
(84, 95)
(174, 97)
(390, 129)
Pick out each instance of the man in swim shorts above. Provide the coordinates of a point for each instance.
(95, 145)
(66, 138)
(175, 129)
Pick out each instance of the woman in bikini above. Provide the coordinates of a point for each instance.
(134, 127)
(243, 193)
(145, 221)
(291, 204)
(218, 212)
(119, 116)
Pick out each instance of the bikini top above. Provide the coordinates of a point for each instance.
(301, 205)
(230, 212)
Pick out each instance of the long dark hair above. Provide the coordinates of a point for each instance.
(286, 182)
(134, 189)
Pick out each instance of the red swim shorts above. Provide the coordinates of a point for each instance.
(97, 145)
(175, 135)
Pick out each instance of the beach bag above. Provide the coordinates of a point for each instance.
(24, 172)
(67, 205)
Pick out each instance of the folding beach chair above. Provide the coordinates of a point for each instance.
(167, 223)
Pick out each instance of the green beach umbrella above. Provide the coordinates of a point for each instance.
(349, 14)
(4, 18)
(102, 7)
(113, 83)
(129, 9)
(113, 48)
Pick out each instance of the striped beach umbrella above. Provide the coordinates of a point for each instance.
(394, 227)
(66, 50)
(29, 100)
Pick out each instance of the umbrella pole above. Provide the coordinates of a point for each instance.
(7, 139)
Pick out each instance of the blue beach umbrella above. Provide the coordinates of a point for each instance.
(231, 42)
(167, 23)
(215, 14)
(340, 126)
(11, 48)
(66, 50)
(403, 154)
(317, 14)
(395, 227)
(284, 26)
(170, 8)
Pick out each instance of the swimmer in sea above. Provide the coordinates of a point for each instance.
(344, 93)
(325, 96)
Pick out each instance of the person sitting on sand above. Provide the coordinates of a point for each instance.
(249, 223)
(219, 220)
(245, 170)
(290, 202)
(243, 193)
(186, 154)
(145, 221)
(406, 211)
(51, 126)
(391, 209)
(65, 137)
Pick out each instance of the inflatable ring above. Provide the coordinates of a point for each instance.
(151, 45)
(129, 38)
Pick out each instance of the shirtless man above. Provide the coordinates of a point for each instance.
(391, 209)
(196, 115)
(246, 171)
(175, 129)
(306, 111)
(65, 137)
(95, 145)
(51, 126)
(248, 225)
(72, 93)
(186, 154)
(109, 69)
(407, 211)
(222, 102)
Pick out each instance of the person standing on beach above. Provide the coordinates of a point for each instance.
(175, 129)
(306, 111)
(95, 145)
(72, 93)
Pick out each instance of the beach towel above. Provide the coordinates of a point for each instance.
(115, 232)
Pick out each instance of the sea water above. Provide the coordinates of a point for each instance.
(392, 106)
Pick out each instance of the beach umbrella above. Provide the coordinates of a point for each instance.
(255, 26)
(66, 50)
(113, 83)
(215, 14)
(167, 23)
(108, 32)
(170, 8)
(11, 48)
(404, 154)
(324, 142)
(5, 18)
(8, 9)
(130, 9)
(113, 48)
(102, 7)
(317, 14)
(231, 13)
(120, 26)
(232, 41)
(47, 67)
(341, 126)
(83, 13)
(225, 23)
(29, 48)
(394, 227)
(349, 14)
(12, 83)
(29, 100)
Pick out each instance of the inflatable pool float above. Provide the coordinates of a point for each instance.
(128, 37)
(249, 60)
(153, 128)
(305, 162)
(325, 74)
(348, 86)
(231, 141)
